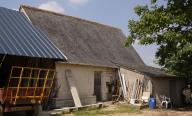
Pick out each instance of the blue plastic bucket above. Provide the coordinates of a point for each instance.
(152, 103)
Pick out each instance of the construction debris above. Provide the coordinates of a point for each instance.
(133, 92)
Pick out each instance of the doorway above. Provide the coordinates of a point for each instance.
(173, 91)
(97, 85)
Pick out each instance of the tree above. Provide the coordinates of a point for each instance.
(167, 24)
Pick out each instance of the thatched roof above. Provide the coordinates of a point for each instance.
(84, 41)
(147, 70)
(89, 43)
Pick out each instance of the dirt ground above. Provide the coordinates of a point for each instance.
(157, 113)
(143, 112)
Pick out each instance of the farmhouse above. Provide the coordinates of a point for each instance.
(95, 56)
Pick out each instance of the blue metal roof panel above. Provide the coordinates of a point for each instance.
(19, 37)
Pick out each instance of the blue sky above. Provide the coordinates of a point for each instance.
(111, 12)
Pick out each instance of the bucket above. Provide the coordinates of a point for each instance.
(152, 103)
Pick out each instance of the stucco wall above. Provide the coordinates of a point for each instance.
(84, 79)
(131, 78)
(163, 86)
(130, 75)
(179, 87)
(159, 85)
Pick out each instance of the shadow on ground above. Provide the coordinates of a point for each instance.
(186, 108)
(14, 114)
(22, 113)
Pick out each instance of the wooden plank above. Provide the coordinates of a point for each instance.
(124, 85)
(136, 87)
(141, 91)
(131, 90)
(73, 88)
(128, 90)
(137, 92)
(120, 79)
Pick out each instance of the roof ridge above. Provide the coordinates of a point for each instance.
(60, 14)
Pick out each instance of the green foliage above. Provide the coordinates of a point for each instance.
(169, 26)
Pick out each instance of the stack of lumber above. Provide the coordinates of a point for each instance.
(131, 90)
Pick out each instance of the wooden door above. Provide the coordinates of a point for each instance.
(97, 85)
(173, 91)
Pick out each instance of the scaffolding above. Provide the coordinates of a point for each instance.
(28, 84)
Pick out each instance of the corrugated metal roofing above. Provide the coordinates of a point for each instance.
(19, 37)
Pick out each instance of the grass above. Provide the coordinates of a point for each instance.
(105, 111)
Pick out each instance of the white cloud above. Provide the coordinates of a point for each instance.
(52, 6)
(78, 2)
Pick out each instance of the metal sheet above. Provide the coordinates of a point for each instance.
(19, 37)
